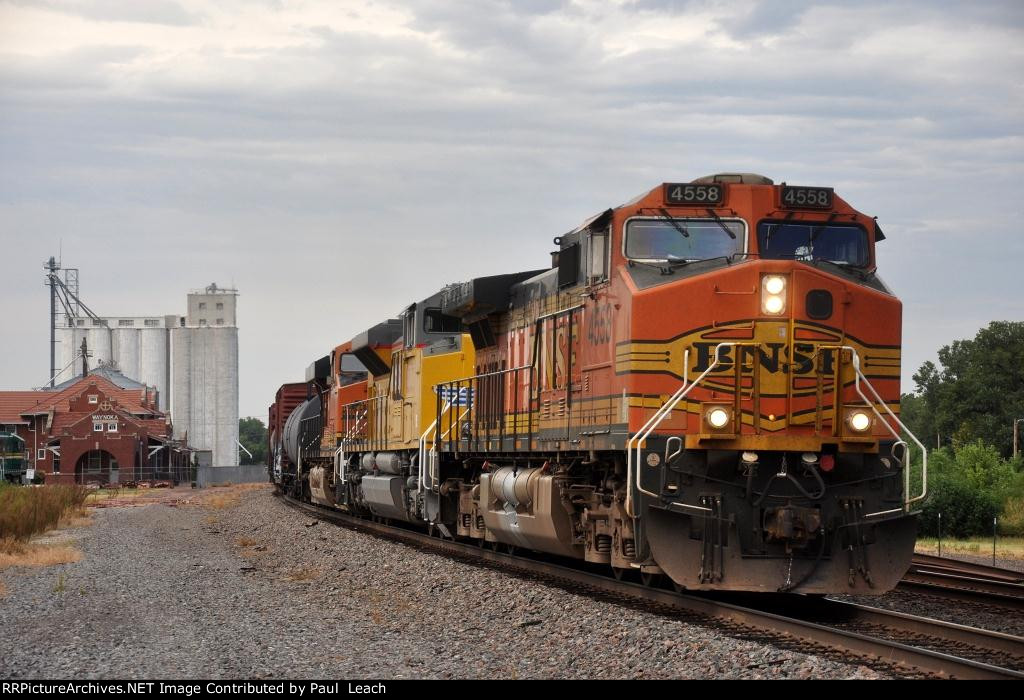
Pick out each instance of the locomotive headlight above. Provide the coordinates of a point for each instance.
(773, 304)
(859, 421)
(718, 418)
(774, 284)
(773, 294)
(719, 421)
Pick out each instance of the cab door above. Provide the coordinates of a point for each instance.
(560, 373)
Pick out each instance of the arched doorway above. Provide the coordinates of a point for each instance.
(97, 466)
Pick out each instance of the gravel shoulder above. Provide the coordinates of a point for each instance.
(257, 590)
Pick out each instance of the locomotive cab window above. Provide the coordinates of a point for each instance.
(597, 256)
(683, 240)
(841, 244)
(436, 322)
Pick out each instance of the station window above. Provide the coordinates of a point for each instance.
(220, 305)
(220, 322)
(152, 322)
(125, 322)
(111, 427)
(202, 322)
(97, 427)
(40, 455)
(81, 321)
(202, 305)
(94, 398)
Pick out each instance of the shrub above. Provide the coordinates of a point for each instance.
(970, 486)
(1011, 523)
(27, 510)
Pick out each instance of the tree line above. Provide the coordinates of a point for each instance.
(963, 410)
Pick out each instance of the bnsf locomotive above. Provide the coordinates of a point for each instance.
(703, 386)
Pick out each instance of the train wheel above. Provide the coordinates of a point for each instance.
(619, 573)
(678, 587)
(511, 549)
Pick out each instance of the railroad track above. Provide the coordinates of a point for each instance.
(961, 580)
(895, 641)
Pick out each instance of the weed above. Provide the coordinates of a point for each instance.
(59, 586)
(28, 510)
(38, 555)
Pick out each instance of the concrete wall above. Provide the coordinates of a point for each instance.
(212, 307)
(204, 385)
(238, 474)
(140, 352)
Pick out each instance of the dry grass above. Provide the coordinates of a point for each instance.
(220, 501)
(37, 555)
(78, 517)
(246, 542)
(1006, 547)
(3, 589)
(97, 495)
(27, 510)
(306, 573)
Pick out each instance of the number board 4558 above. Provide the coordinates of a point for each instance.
(694, 195)
(807, 197)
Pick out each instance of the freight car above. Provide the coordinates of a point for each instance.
(704, 387)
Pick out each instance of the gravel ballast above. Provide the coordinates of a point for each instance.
(258, 590)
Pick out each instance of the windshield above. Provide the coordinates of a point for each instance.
(842, 244)
(648, 239)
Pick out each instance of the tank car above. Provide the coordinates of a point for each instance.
(703, 387)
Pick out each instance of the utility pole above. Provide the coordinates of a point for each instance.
(1016, 436)
(85, 358)
(51, 279)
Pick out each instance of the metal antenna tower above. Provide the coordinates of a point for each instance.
(65, 291)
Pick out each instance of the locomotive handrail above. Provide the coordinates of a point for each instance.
(653, 422)
(350, 409)
(434, 488)
(858, 377)
(481, 376)
(421, 467)
(656, 420)
(471, 385)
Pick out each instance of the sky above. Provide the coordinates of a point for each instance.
(336, 161)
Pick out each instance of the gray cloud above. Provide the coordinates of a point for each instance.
(403, 147)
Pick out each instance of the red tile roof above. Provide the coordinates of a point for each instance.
(14, 404)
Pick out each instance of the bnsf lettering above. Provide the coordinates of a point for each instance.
(773, 357)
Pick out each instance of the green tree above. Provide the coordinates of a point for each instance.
(975, 393)
(253, 435)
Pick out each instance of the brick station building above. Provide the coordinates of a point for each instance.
(100, 428)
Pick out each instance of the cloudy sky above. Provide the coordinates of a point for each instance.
(337, 160)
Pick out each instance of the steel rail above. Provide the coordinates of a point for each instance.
(867, 646)
(967, 567)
